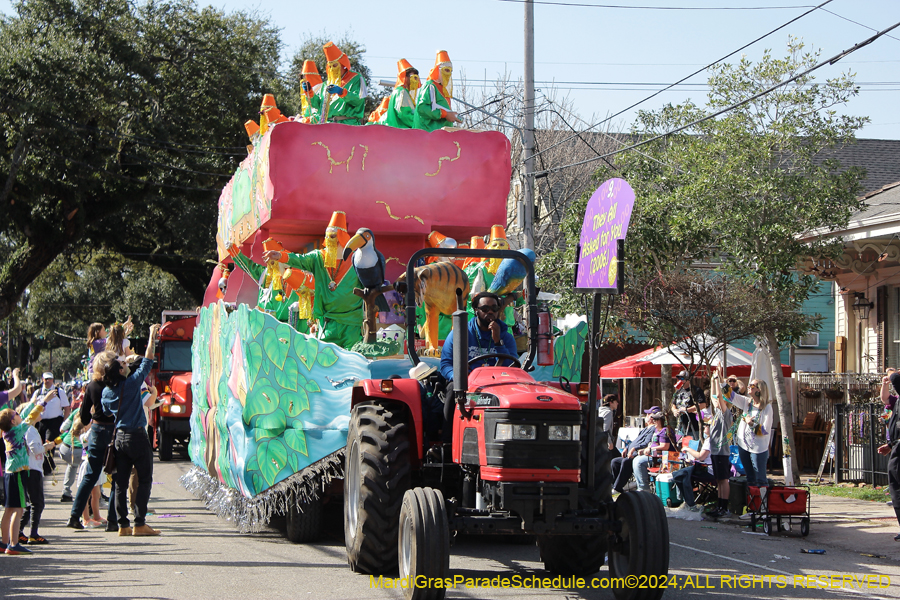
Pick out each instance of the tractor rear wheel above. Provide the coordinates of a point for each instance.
(642, 547)
(304, 520)
(578, 555)
(376, 475)
(603, 479)
(423, 542)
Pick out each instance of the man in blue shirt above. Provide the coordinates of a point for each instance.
(487, 335)
(622, 467)
(122, 397)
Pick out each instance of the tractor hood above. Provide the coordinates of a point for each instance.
(509, 387)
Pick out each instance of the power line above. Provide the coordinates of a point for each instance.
(578, 4)
(699, 70)
(819, 65)
(856, 23)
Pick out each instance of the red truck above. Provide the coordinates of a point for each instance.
(171, 420)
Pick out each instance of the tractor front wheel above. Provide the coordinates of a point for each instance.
(423, 543)
(376, 475)
(642, 547)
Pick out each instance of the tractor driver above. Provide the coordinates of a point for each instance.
(487, 335)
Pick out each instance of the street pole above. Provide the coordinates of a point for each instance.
(528, 136)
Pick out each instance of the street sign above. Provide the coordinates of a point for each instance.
(606, 220)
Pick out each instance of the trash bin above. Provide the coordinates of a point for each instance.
(737, 497)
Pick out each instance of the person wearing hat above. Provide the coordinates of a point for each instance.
(377, 116)
(273, 298)
(661, 439)
(343, 97)
(688, 396)
(622, 467)
(269, 114)
(337, 309)
(401, 111)
(57, 408)
(310, 83)
(433, 104)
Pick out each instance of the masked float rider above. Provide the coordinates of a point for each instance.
(377, 116)
(488, 270)
(269, 114)
(337, 309)
(401, 112)
(345, 89)
(433, 103)
(275, 294)
(310, 84)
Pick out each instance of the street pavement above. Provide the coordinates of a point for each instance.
(200, 556)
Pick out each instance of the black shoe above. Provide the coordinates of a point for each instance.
(112, 526)
(897, 538)
(66, 498)
(74, 523)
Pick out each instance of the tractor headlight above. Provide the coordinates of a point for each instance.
(562, 433)
(176, 409)
(510, 431)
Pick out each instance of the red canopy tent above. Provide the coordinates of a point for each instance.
(635, 367)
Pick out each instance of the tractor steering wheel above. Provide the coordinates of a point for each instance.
(516, 362)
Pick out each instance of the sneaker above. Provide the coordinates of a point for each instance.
(746, 516)
(2, 547)
(17, 549)
(144, 530)
(112, 527)
(124, 531)
(890, 502)
(36, 539)
(66, 498)
(74, 523)
(94, 524)
(694, 509)
(897, 538)
(717, 513)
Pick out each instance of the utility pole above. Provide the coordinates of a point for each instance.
(528, 135)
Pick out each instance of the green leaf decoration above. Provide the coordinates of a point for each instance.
(254, 360)
(261, 400)
(294, 403)
(272, 456)
(257, 483)
(276, 349)
(293, 462)
(299, 345)
(260, 434)
(327, 357)
(252, 464)
(267, 366)
(287, 377)
(312, 387)
(273, 423)
(310, 353)
(296, 440)
(257, 321)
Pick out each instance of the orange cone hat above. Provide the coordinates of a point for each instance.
(311, 73)
(402, 67)
(272, 244)
(332, 52)
(339, 222)
(252, 128)
(498, 232)
(435, 238)
(268, 101)
(443, 59)
(477, 242)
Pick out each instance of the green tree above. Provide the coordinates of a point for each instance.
(120, 124)
(738, 192)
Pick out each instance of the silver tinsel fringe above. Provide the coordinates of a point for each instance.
(250, 515)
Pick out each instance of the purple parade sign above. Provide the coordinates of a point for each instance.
(606, 220)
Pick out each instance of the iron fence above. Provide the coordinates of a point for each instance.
(859, 431)
(819, 392)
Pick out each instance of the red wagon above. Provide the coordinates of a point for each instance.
(782, 504)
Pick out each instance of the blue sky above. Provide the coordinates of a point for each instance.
(579, 46)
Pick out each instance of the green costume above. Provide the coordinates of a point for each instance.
(339, 311)
(432, 108)
(349, 108)
(401, 112)
(268, 298)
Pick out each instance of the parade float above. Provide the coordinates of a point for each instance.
(280, 343)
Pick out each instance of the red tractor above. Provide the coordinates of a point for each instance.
(522, 459)
(172, 376)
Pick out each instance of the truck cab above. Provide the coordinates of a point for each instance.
(172, 377)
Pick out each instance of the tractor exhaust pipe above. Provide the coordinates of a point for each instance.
(460, 358)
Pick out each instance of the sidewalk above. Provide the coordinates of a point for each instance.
(853, 525)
